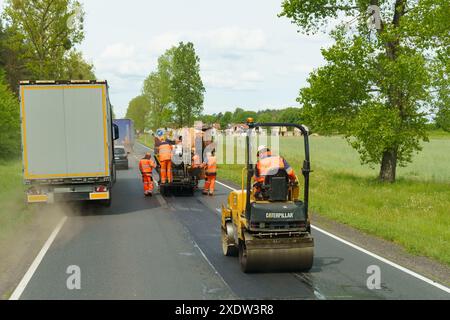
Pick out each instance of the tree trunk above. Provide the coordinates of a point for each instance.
(388, 166)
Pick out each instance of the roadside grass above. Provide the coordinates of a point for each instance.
(439, 134)
(147, 140)
(414, 212)
(13, 210)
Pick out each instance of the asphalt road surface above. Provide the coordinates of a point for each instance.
(170, 248)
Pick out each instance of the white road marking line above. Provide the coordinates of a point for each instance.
(354, 246)
(29, 274)
(212, 266)
(145, 147)
(226, 186)
(393, 264)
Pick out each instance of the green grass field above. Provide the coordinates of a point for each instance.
(13, 211)
(414, 212)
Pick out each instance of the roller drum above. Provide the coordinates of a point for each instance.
(276, 254)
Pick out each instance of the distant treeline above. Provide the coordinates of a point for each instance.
(291, 115)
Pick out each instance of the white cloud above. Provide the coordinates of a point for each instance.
(251, 76)
(118, 51)
(226, 79)
(134, 61)
(164, 41)
(303, 68)
(234, 38)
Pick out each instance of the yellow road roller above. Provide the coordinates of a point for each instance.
(269, 232)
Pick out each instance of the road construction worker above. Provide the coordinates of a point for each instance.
(165, 159)
(146, 166)
(196, 166)
(211, 173)
(157, 143)
(268, 164)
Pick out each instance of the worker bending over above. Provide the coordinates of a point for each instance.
(211, 173)
(146, 166)
(269, 165)
(165, 159)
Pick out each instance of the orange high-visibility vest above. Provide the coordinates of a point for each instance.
(165, 151)
(269, 165)
(211, 165)
(146, 165)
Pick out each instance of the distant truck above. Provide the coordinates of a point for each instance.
(126, 133)
(67, 141)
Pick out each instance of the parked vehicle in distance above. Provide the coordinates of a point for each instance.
(126, 133)
(121, 157)
(67, 141)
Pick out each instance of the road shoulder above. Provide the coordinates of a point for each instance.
(18, 251)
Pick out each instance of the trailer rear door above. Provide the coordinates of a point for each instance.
(64, 131)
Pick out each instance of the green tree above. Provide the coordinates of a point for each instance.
(138, 109)
(186, 84)
(226, 119)
(48, 28)
(377, 86)
(240, 115)
(265, 117)
(291, 115)
(443, 119)
(12, 56)
(76, 68)
(157, 90)
(9, 121)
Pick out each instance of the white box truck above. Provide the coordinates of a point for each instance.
(67, 141)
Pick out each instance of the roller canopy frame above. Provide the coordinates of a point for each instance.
(306, 170)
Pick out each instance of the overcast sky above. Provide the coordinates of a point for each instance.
(248, 56)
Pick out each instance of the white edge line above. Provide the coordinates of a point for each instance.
(212, 266)
(142, 145)
(392, 264)
(29, 274)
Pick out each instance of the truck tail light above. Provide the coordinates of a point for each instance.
(101, 189)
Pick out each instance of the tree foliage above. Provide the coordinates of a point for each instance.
(9, 121)
(37, 40)
(174, 92)
(378, 87)
(76, 68)
(43, 34)
(138, 109)
(186, 84)
(158, 91)
(240, 115)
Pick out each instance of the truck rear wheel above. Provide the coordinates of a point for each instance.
(107, 203)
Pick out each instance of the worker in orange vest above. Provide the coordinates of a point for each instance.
(211, 173)
(268, 164)
(196, 164)
(146, 166)
(165, 159)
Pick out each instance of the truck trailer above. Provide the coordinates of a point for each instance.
(67, 141)
(126, 133)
